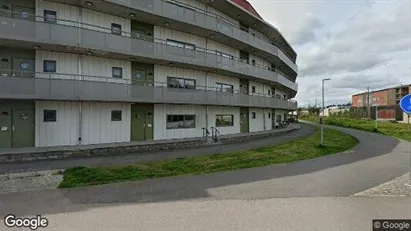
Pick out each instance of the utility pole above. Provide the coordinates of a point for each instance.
(368, 103)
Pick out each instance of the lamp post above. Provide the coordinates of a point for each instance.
(322, 118)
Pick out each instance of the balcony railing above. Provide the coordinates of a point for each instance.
(233, 63)
(73, 87)
(231, 23)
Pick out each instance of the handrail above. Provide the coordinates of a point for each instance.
(205, 132)
(231, 23)
(93, 78)
(130, 35)
(214, 132)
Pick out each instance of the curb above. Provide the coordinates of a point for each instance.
(29, 174)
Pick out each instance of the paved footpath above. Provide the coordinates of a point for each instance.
(34, 166)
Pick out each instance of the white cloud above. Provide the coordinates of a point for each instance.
(355, 43)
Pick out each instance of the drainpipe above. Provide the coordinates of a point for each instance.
(206, 82)
(80, 113)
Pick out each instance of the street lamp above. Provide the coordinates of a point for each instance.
(322, 118)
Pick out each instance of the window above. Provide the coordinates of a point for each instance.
(224, 55)
(115, 29)
(181, 44)
(224, 87)
(253, 115)
(117, 72)
(273, 67)
(224, 120)
(181, 121)
(277, 96)
(49, 66)
(49, 116)
(174, 82)
(285, 96)
(269, 92)
(253, 62)
(116, 115)
(50, 16)
(269, 115)
(252, 89)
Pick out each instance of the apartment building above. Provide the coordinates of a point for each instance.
(89, 72)
(383, 97)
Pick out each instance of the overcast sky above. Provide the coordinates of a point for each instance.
(354, 42)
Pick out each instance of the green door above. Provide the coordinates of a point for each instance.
(141, 125)
(23, 128)
(138, 121)
(273, 118)
(23, 67)
(5, 128)
(244, 120)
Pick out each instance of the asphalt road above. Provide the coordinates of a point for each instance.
(32, 166)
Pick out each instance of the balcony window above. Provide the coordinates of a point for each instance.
(49, 115)
(180, 44)
(253, 115)
(224, 120)
(269, 92)
(116, 115)
(252, 89)
(253, 62)
(269, 115)
(181, 121)
(115, 29)
(49, 66)
(50, 16)
(174, 82)
(117, 72)
(224, 87)
(285, 97)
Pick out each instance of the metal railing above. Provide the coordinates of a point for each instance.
(58, 86)
(231, 23)
(136, 36)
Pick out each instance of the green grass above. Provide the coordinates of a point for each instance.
(299, 149)
(398, 130)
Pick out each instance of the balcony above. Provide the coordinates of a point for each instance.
(198, 22)
(64, 87)
(77, 36)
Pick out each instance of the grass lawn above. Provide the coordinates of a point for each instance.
(299, 149)
(398, 130)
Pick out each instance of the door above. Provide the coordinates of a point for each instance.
(244, 86)
(23, 12)
(5, 65)
(23, 128)
(5, 128)
(142, 122)
(138, 123)
(244, 120)
(273, 117)
(23, 67)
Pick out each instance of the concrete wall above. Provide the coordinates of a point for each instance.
(97, 126)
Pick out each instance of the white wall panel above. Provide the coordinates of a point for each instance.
(62, 132)
(63, 11)
(97, 124)
(165, 33)
(259, 87)
(213, 78)
(162, 72)
(160, 121)
(97, 20)
(281, 93)
(213, 45)
(256, 124)
(67, 67)
(219, 110)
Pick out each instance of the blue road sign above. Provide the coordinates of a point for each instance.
(405, 104)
